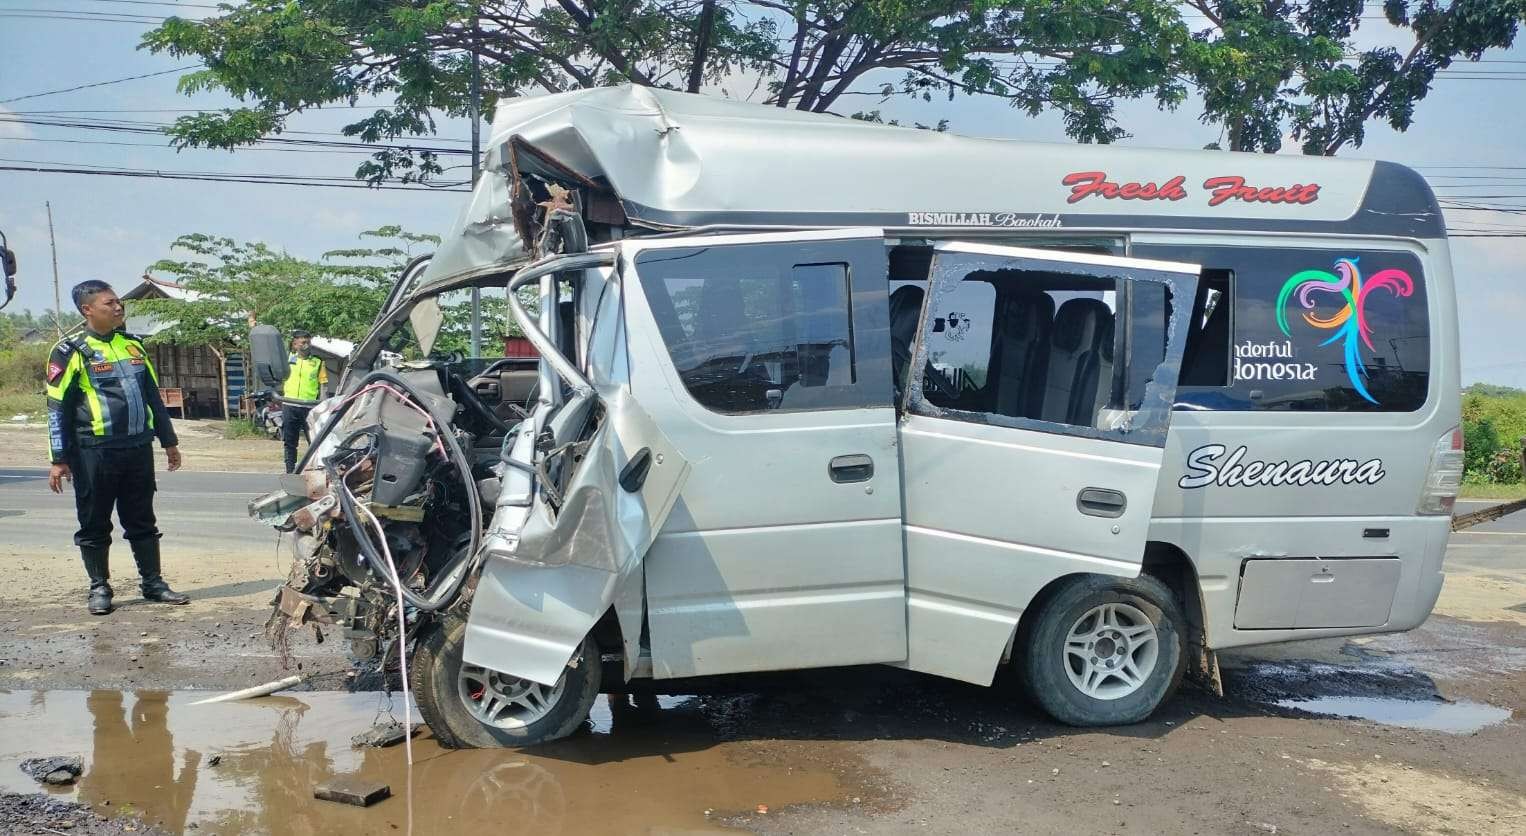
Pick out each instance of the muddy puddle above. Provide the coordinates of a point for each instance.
(251, 767)
(1461, 717)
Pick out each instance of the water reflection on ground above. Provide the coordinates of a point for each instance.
(250, 767)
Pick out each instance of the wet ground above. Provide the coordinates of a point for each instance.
(251, 767)
(1411, 733)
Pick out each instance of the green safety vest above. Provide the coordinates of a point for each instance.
(103, 390)
(304, 382)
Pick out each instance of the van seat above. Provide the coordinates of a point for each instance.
(1070, 389)
(1019, 347)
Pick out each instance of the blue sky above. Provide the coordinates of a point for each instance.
(112, 228)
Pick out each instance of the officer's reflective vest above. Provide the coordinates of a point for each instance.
(303, 383)
(104, 390)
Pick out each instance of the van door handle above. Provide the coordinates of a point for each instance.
(1101, 502)
(854, 468)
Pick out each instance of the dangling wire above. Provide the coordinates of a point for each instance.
(402, 625)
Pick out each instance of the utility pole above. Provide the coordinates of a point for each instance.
(58, 306)
(476, 114)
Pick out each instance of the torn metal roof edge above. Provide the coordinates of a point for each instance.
(677, 161)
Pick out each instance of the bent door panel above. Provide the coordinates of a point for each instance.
(766, 359)
(1037, 410)
(571, 563)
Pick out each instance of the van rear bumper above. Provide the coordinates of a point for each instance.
(1220, 547)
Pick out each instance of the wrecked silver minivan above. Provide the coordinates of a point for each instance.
(816, 393)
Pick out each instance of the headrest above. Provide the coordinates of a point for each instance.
(1024, 315)
(1078, 324)
(905, 305)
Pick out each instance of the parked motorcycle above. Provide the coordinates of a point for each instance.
(267, 413)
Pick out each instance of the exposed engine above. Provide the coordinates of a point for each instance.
(387, 508)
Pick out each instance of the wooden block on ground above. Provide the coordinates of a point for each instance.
(352, 790)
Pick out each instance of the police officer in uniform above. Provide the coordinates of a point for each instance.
(305, 382)
(104, 411)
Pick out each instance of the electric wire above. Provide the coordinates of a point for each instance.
(94, 84)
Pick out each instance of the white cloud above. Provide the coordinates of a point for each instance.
(346, 221)
(9, 129)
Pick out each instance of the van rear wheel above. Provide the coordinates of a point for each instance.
(472, 707)
(1105, 651)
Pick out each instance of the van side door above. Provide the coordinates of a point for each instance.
(1038, 397)
(766, 360)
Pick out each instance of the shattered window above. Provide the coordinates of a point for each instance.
(1024, 344)
(751, 339)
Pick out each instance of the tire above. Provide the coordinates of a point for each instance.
(443, 695)
(1094, 620)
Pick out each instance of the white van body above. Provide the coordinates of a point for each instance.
(869, 395)
(1270, 562)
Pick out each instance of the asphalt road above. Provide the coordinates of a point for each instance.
(191, 507)
(1497, 545)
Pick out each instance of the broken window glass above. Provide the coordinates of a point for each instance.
(1037, 343)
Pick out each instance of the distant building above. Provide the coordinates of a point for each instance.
(209, 385)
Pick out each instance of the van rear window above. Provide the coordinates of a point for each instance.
(1304, 329)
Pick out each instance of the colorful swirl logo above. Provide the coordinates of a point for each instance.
(1350, 322)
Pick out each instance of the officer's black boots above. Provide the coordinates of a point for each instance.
(146, 553)
(99, 571)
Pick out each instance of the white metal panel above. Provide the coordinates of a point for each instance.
(991, 518)
(1307, 593)
(765, 562)
(528, 618)
(992, 506)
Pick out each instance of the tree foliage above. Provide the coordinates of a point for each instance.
(234, 284)
(1264, 69)
(1270, 68)
(1076, 57)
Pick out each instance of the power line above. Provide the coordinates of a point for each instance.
(141, 126)
(157, 129)
(84, 18)
(160, 3)
(273, 179)
(167, 147)
(99, 84)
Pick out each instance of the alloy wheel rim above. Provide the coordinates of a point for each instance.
(1111, 650)
(506, 702)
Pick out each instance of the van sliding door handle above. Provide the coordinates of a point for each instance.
(1101, 502)
(855, 468)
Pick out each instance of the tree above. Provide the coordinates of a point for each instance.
(235, 284)
(1077, 57)
(1269, 68)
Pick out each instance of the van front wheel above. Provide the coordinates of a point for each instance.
(1105, 651)
(471, 707)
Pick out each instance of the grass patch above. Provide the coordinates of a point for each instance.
(1504, 493)
(30, 404)
(241, 428)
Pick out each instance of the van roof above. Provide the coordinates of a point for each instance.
(676, 160)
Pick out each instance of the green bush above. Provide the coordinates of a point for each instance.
(1481, 443)
(23, 376)
(23, 367)
(1493, 423)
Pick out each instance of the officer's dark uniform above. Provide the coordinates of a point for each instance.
(104, 410)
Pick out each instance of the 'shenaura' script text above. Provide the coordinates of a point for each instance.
(1207, 465)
